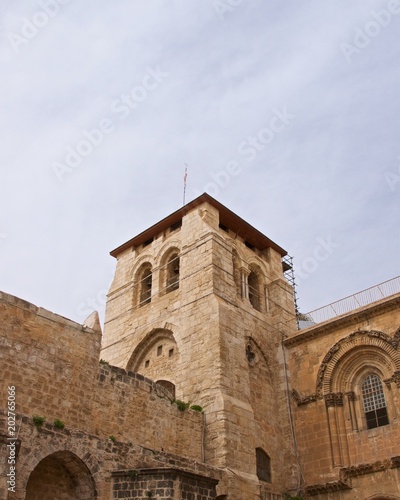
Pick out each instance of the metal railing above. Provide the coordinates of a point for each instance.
(359, 299)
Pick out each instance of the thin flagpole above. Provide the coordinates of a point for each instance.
(184, 183)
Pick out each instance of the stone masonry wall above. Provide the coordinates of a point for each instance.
(53, 363)
(327, 363)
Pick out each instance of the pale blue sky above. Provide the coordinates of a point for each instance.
(300, 98)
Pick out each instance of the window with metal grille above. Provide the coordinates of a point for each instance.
(374, 402)
(263, 462)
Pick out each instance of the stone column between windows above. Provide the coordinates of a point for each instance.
(351, 397)
(335, 417)
(244, 284)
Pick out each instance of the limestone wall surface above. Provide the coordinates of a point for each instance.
(328, 363)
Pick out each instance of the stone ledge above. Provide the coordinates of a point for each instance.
(350, 472)
(344, 320)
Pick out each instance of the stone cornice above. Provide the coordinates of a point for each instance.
(350, 471)
(344, 320)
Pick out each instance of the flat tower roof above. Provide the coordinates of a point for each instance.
(226, 218)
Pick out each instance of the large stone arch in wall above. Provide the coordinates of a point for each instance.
(339, 383)
(62, 475)
(156, 356)
(346, 357)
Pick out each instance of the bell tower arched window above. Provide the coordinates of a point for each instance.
(145, 285)
(254, 290)
(374, 402)
(173, 273)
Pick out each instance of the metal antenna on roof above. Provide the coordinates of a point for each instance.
(184, 183)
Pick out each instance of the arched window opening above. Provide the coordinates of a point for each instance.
(254, 290)
(145, 284)
(374, 402)
(169, 386)
(263, 465)
(173, 273)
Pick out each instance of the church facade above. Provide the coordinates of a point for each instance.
(201, 385)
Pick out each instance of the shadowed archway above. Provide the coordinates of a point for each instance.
(62, 476)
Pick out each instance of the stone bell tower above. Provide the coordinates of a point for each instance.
(199, 303)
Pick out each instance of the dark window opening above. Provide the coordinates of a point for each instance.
(254, 290)
(147, 242)
(250, 355)
(173, 270)
(374, 402)
(159, 350)
(169, 386)
(263, 465)
(249, 245)
(176, 226)
(145, 286)
(146, 363)
(170, 353)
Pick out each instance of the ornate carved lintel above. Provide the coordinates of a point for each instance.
(305, 399)
(334, 399)
(394, 378)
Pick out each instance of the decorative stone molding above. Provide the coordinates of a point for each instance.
(334, 399)
(318, 489)
(303, 400)
(363, 469)
(351, 396)
(351, 471)
(254, 352)
(394, 378)
(360, 339)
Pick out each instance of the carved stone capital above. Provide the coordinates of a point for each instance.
(334, 399)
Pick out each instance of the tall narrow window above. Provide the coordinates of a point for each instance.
(263, 465)
(374, 402)
(145, 284)
(173, 273)
(254, 290)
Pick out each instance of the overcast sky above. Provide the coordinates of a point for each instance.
(287, 112)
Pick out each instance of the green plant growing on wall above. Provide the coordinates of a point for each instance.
(197, 408)
(182, 406)
(58, 424)
(38, 421)
(112, 438)
(104, 362)
(133, 474)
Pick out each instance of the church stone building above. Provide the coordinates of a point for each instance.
(201, 385)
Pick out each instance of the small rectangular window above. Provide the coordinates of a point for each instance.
(147, 242)
(170, 353)
(176, 226)
(159, 350)
(146, 363)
